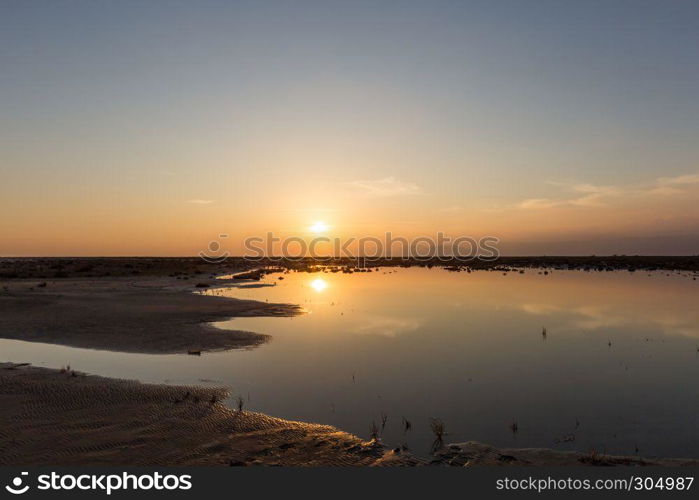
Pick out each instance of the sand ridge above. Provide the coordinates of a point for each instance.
(148, 315)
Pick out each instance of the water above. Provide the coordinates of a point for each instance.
(466, 348)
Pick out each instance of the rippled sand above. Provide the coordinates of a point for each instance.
(49, 417)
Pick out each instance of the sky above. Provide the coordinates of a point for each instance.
(150, 128)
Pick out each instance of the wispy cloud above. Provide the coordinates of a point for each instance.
(587, 195)
(538, 203)
(389, 186)
(590, 195)
(201, 202)
(679, 180)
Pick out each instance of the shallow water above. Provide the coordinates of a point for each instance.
(466, 348)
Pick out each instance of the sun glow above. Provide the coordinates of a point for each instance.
(318, 227)
(319, 284)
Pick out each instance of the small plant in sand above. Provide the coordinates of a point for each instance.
(384, 419)
(374, 431)
(437, 427)
(593, 458)
(514, 426)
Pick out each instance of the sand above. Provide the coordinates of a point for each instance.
(473, 453)
(48, 417)
(52, 417)
(157, 315)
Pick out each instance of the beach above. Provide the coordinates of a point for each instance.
(67, 417)
(64, 417)
(146, 315)
(53, 417)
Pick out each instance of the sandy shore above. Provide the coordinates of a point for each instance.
(48, 417)
(473, 453)
(149, 315)
(52, 417)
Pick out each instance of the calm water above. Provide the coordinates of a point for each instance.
(465, 348)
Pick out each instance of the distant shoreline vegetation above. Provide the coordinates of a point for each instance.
(49, 268)
(367, 249)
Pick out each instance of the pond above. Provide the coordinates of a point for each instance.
(570, 360)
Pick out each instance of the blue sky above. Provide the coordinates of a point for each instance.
(482, 116)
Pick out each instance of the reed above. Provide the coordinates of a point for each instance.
(438, 430)
(374, 431)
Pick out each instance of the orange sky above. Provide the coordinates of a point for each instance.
(146, 130)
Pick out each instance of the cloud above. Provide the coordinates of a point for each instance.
(537, 203)
(663, 191)
(389, 186)
(679, 180)
(591, 195)
(201, 202)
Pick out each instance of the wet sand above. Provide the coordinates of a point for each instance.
(473, 453)
(49, 417)
(147, 315)
(52, 417)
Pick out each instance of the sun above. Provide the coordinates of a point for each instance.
(319, 284)
(319, 227)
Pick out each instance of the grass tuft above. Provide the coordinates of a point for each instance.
(438, 430)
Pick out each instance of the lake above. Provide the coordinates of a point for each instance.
(616, 370)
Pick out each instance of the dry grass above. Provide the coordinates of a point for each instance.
(438, 430)
(384, 419)
(374, 431)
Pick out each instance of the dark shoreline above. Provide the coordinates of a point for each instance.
(191, 268)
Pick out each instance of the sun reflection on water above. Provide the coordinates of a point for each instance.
(319, 284)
